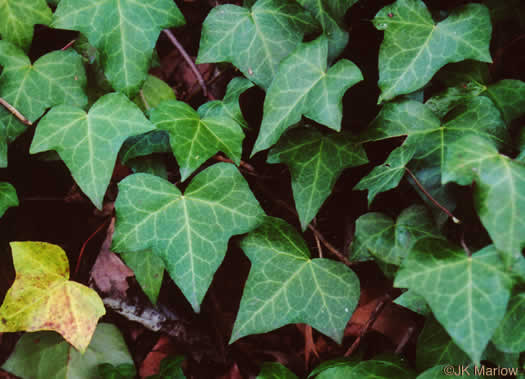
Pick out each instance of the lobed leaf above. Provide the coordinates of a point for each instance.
(286, 286)
(43, 298)
(415, 47)
(315, 161)
(89, 143)
(188, 232)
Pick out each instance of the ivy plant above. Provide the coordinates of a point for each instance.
(426, 138)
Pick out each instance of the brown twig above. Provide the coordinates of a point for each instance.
(329, 246)
(429, 196)
(15, 112)
(242, 164)
(189, 61)
(85, 244)
(68, 45)
(385, 299)
(208, 83)
(405, 340)
(318, 242)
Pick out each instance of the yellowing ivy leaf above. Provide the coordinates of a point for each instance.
(415, 47)
(304, 85)
(17, 19)
(124, 31)
(42, 297)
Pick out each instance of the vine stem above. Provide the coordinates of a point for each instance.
(429, 196)
(190, 62)
(85, 244)
(15, 112)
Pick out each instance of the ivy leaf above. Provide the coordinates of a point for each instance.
(157, 141)
(148, 269)
(330, 14)
(170, 367)
(424, 130)
(42, 297)
(415, 48)
(471, 305)
(154, 91)
(315, 160)
(52, 357)
(122, 371)
(124, 32)
(17, 19)
(498, 195)
(305, 86)
(189, 232)
(229, 105)
(194, 139)
(416, 303)
(371, 369)
(391, 242)
(509, 97)
(275, 370)
(509, 336)
(89, 143)
(254, 40)
(8, 197)
(388, 175)
(56, 78)
(286, 286)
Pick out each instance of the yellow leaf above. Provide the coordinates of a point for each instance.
(42, 297)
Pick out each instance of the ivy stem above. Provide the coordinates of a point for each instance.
(405, 340)
(85, 244)
(318, 242)
(189, 61)
(329, 246)
(68, 45)
(15, 112)
(429, 196)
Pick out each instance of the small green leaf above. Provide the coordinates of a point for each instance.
(17, 19)
(56, 78)
(188, 232)
(498, 195)
(415, 48)
(275, 370)
(286, 286)
(89, 143)
(304, 85)
(416, 303)
(229, 105)
(468, 295)
(122, 371)
(391, 242)
(509, 97)
(43, 298)
(445, 101)
(154, 91)
(372, 369)
(148, 269)
(124, 32)
(388, 175)
(170, 367)
(8, 197)
(254, 40)
(157, 141)
(52, 357)
(315, 161)
(509, 336)
(194, 139)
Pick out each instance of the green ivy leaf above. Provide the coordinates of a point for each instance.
(157, 141)
(391, 242)
(229, 105)
(447, 100)
(189, 232)
(89, 143)
(17, 19)
(56, 78)
(8, 197)
(52, 357)
(254, 40)
(170, 367)
(509, 97)
(154, 91)
(372, 369)
(330, 14)
(275, 370)
(304, 85)
(498, 195)
(124, 32)
(148, 269)
(434, 347)
(121, 371)
(43, 298)
(194, 139)
(424, 130)
(416, 303)
(388, 175)
(286, 286)
(315, 161)
(509, 336)
(472, 304)
(415, 48)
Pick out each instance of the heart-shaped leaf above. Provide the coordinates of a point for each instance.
(89, 143)
(43, 298)
(189, 232)
(286, 286)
